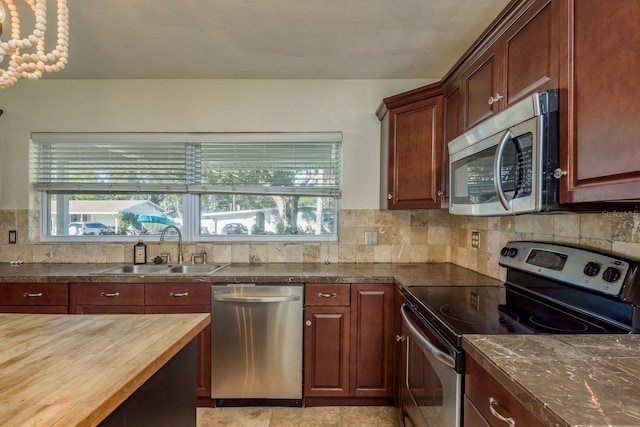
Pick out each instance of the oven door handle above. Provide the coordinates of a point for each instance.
(497, 180)
(424, 342)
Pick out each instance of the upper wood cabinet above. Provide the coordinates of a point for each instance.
(600, 135)
(411, 149)
(519, 57)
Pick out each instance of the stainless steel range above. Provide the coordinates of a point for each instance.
(550, 289)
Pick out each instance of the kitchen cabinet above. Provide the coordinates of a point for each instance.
(400, 351)
(186, 298)
(599, 107)
(326, 340)
(37, 298)
(151, 298)
(411, 149)
(348, 340)
(518, 57)
(106, 298)
(371, 340)
(486, 401)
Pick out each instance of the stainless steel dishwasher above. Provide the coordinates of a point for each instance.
(256, 344)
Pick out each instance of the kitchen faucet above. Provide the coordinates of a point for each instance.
(179, 240)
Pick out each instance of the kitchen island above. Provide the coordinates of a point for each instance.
(566, 380)
(65, 370)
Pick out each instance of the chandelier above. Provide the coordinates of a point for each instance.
(25, 54)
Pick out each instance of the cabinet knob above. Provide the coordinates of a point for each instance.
(494, 99)
(389, 196)
(308, 323)
(399, 338)
(440, 193)
(493, 408)
(559, 173)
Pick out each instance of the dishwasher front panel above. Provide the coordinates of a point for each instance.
(256, 342)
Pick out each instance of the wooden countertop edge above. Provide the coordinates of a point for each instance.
(114, 400)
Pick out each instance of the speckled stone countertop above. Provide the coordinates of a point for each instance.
(403, 274)
(567, 380)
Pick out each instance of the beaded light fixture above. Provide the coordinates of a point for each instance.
(26, 56)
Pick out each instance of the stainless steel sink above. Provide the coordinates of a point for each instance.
(143, 269)
(200, 269)
(135, 269)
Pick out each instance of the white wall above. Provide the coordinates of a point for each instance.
(198, 106)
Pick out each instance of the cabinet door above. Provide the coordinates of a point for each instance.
(481, 83)
(35, 294)
(453, 127)
(600, 136)
(481, 389)
(400, 351)
(172, 294)
(472, 417)
(203, 381)
(415, 155)
(326, 354)
(371, 340)
(108, 294)
(531, 52)
(107, 309)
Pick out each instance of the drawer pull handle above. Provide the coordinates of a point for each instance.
(333, 295)
(493, 408)
(32, 294)
(110, 294)
(179, 295)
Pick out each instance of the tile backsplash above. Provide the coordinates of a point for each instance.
(403, 237)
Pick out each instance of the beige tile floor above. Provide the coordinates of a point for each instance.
(331, 416)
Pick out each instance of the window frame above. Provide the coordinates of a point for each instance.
(191, 214)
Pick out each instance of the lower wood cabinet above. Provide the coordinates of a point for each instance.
(107, 298)
(151, 298)
(486, 401)
(348, 340)
(37, 298)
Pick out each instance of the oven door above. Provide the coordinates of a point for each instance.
(432, 393)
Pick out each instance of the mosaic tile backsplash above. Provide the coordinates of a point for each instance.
(403, 237)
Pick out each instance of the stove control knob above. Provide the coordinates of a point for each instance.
(591, 269)
(611, 275)
(504, 251)
(513, 252)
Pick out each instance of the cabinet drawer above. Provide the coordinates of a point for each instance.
(178, 294)
(109, 294)
(34, 294)
(327, 294)
(481, 388)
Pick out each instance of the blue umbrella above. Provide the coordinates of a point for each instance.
(155, 218)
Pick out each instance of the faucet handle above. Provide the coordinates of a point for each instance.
(204, 256)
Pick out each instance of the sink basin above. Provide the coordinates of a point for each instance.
(195, 268)
(135, 269)
(186, 269)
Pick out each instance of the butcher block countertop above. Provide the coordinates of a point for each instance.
(566, 380)
(66, 370)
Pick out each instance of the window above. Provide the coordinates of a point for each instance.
(254, 186)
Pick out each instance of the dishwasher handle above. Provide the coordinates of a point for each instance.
(250, 299)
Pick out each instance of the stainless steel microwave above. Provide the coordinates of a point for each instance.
(508, 164)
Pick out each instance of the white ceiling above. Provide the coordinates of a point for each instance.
(315, 39)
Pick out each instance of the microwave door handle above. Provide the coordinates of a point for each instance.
(497, 182)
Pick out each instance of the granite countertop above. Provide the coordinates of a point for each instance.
(567, 380)
(60, 370)
(402, 274)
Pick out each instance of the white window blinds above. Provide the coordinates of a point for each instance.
(258, 163)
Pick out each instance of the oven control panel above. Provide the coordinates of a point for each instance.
(575, 266)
